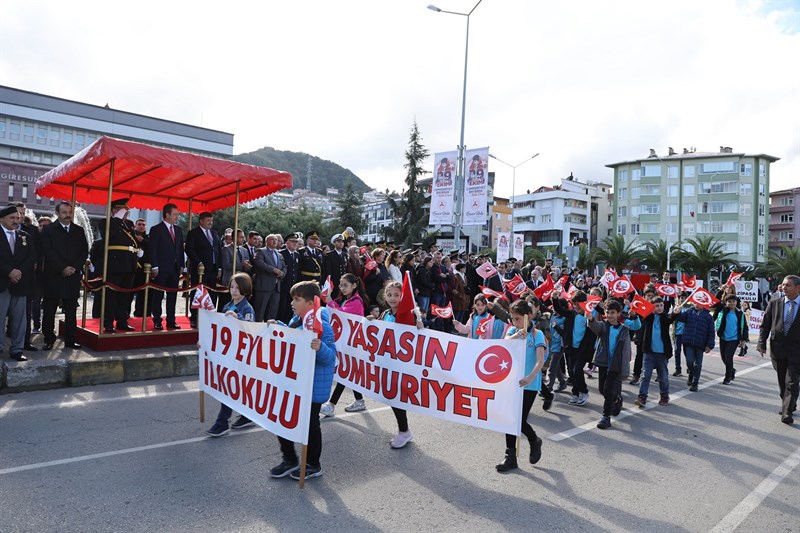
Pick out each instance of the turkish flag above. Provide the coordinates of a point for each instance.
(620, 287)
(734, 277)
(703, 298)
(667, 290)
(483, 325)
(516, 285)
(642, 307)
(327, 287)
(544, 290)
(561, 282)
(371, 265)
(589, 305)
(405, 309)
(312, 320)
(202, 299)
(486, 270)
(567, 295)
(689, 283)
(490, 293)
(442, 312)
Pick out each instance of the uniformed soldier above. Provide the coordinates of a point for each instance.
(123, 252)
(310, 260)
(336, 263)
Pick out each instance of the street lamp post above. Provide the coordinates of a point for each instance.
(513, 182)
(458, 199)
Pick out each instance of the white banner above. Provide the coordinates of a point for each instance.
(503, 245)
(263, 372)
(442, 188)
(756, 317)
(468, 381)
(476, 186)
(519, 247)
(747, 291)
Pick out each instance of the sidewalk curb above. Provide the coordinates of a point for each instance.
(59, 373)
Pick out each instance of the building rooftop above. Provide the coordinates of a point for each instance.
(692, 154)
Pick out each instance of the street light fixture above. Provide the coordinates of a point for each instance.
(459, 185)
(513, 182)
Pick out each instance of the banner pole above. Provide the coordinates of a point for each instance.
(303, 458)
(525, 329)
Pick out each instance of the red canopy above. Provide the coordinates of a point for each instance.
(152, 177)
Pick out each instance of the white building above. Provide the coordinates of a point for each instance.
(379, 214)
(558, 216)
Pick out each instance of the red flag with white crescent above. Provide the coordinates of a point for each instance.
(544, 290)
(516, 285)
(642, 307)
(442, 312)
(608, 277)
(620, 287)
(483, 325)
(312, 320)
(589, 305)
(405, 309)
(202, 299)
(734, 277)
(490, 293)
(690, 283)
(703, 298)
(327, 287)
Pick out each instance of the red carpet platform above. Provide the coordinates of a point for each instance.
(130, 340)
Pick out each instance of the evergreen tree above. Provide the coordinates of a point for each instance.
(410, 220)
(351, 211)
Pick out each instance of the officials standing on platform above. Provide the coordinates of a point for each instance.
(291, 260)
(166, 258)
(204, 247)
(123, 252)
(17, 258)
(65, 251)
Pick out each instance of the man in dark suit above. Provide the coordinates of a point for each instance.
(123, 252)
(166, 257)
(290, 259)
(65, 251)
(781, 326)
(35, 238)
(204, 247)
(270, 269)
(336, 264)
(17, 257)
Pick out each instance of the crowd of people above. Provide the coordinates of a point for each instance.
(578, 325)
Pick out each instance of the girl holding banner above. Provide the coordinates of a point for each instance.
(241, 288)
(535, 354)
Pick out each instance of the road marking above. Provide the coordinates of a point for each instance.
(751, 502)
(558, 437)
(90, 457)
(86, 398)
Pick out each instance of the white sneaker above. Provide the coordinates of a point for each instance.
(573, 400)
(583, 399)
(402, 438)
(327, 409)
(356, 406)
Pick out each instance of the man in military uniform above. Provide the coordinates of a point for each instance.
(139, 279)
(310, 260)
(336, 264)
(291, 257)
(123, 253)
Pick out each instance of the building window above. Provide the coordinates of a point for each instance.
(761, 210)
(786, 236)
(651, 209)
(24, 194)
(621, 229)
(745, 209)
(546, 219)
(650, 227)
(623, 175)
(651, 171)
(623, 194)
(729, 246)
(10, 192)
(689, 171)
(718, 167)
(67, 143)
(55, 137)
(762, 170)
(672, 191)
(761, 230)
(672, 210)
(635, 192)
(636, 174)
(746, 169)
(27, 133)
(688, 189)
(2, 128)
(761, 250)
(787, 200)
(688, 209)
(688, 230)
(724, 186)
(745, 229)
(622, 211)
(79, 140)
(745, 189)
(634, 229)
(785, 219)
(673, 172)
(672, 228)
(652, 190)
(14, 130)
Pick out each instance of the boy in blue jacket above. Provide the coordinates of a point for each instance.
(303, 294)
(698, 339)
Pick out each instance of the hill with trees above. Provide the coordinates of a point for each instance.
(324, 173)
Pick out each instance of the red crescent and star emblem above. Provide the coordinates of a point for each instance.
(493, 364)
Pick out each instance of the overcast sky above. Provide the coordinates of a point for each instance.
(583, 83)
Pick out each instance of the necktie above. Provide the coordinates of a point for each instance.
(275, 257)
(11, 241)
(211, 242)
(789, 318)
(66, 228)
(172, 232)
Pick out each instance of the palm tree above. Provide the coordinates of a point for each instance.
(586, 258)
(783, 263)
(703, 254)
(616, 254)
(656, 256)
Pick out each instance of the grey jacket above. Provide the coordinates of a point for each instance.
(620, 360)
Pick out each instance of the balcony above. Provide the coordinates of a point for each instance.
(775, 208)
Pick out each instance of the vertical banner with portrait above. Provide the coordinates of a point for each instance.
(476, 185)
(519, 246)
(442, 188)
(503, 246)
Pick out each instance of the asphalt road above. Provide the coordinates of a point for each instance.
(134, 457)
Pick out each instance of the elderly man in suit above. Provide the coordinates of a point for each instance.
(780, 326)
(166, 257)
(270, 270)
(17, 257)
(204, 247)
(65, 251)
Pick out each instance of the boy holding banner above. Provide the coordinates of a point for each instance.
(304, 295)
